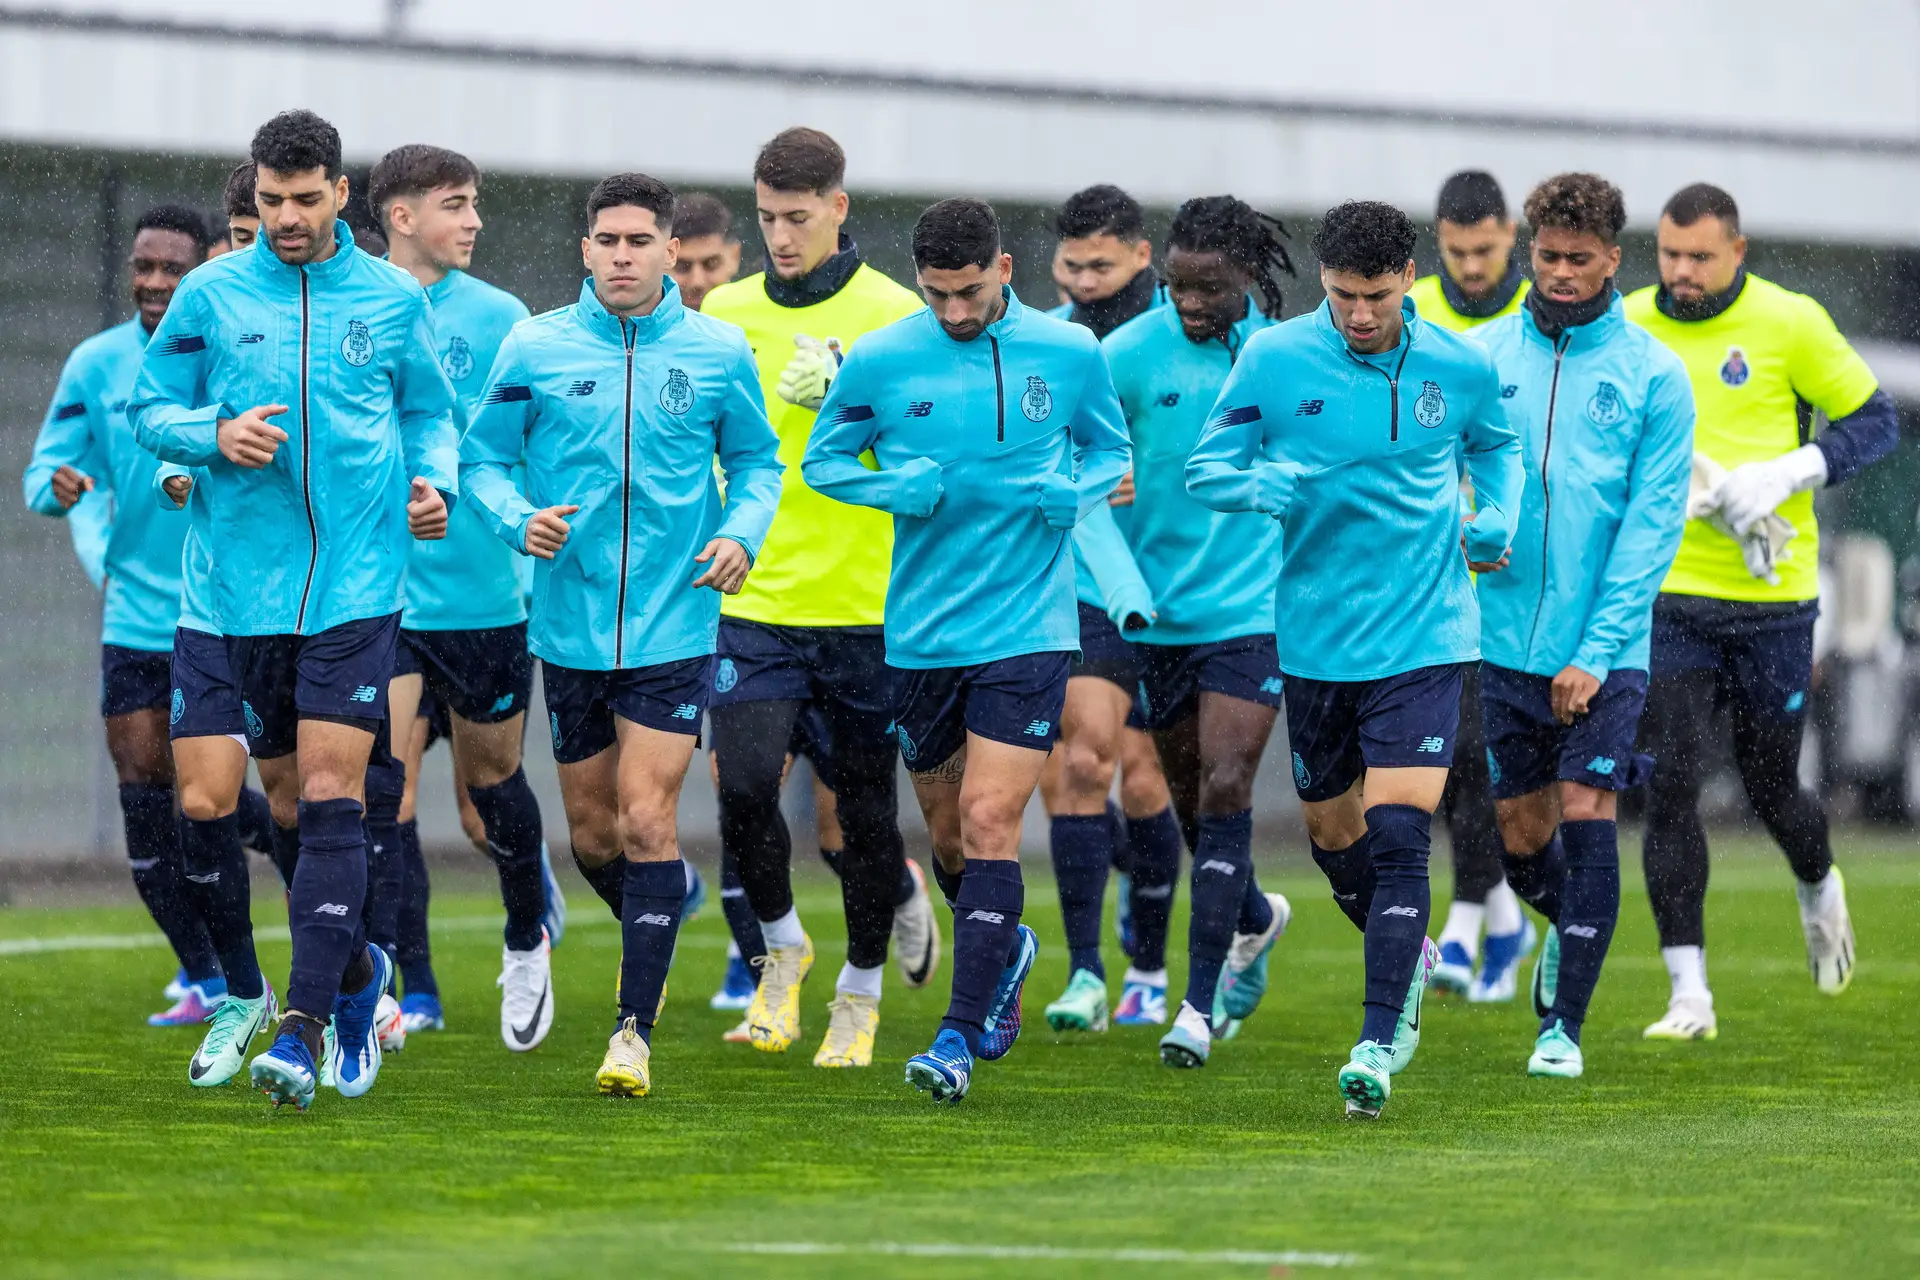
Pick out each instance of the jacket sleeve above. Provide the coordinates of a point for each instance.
(1102, 449)
(1123, 589)
(846, 427)
(164, 472)
(1220, 468)
(1650, 528)
(749, 456)
(423, 402)
(1495, 465)
(494, 444)
(67, 439)
(1860, 439)
(168, 410)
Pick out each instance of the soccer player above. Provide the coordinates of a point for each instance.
(1347, 427)
(709, 246)
(1208, 668)
(994, 430)
(86, 468)
(307, 543)
(243, 213)
(1104, 263)
(618, 407)
(1733, 624)
(1479, 281)
(1605, 417)
(805, 632)
(463, 635)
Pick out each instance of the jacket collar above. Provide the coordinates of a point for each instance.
(1132, 298)
(1491, 305)
(1410, 327)
(331, 271)
(438, 291)
(1003, 328)
(652, 327)
(819, 284)
(1582, 336)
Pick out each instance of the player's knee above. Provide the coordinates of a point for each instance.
(1226, 786)
(1580, 803)
(1087, 767)
(202, 803)
(647, 830)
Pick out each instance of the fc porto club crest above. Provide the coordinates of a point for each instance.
(1606, 408)
(725, 676)
(677, 395)
(458, 362)
(357, 347)
(1037, 403)
(1734, 370)
(1430, 410)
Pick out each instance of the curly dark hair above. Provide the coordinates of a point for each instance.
(1366, 237)
(1103, 209)
(1250, 240)
(296, 141)
(1578, 202)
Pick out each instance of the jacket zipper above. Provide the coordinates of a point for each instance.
(306, 454)
(626, 494)
(999, 392)
(1393, 382)
(1546, 491)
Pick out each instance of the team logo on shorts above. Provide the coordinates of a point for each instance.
(178, 709)
(1301, 778)
(1796, 701)
(357, 346)
(1493, 767)
(1734, 370)
(458, 362)
(254, 728)
(725, 676)
(553, 721)
(1037, 403)
(677, 395)
(1606, 408)
(908, 750)
(1430, 410)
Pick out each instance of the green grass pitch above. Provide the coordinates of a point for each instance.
(1789, 1147)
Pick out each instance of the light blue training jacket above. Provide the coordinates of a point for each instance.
(1605, 415)
(318, 537)
(969, 437)
(1359, 459)
(624, 418)
(138, 548)
(469, 579)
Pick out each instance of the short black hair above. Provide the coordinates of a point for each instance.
(956, 233)
(1703, 200)
(700, 213)
(1470, 196)
(1101, 210)
(405, 173)
(296, 141)
(1366, 237)
(801, 159)
(238, 197)
(1585, 203)
(177, 217)
(638, 189)
(1248, 238)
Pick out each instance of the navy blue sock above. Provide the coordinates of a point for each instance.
(609, 880)
(414, 955)
(741, 922)
(256, 821)
(215, 869)
(1589, 910)
(1190, 833)
(1399, 839)
(949, 882)
(1539, 878)
(511, 816)
(1222, 864)
(832, 858)
(649, 923)
(1350, 873)
(1256, 913)
(386, 785)
(986, 923)
(324, 908)
(285, 853)
(153, 856)
(1155, 846)
(1082, 854)
(1122, 856)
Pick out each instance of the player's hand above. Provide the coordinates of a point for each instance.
(809, 374)
(1274, 484)
(920, 487)
(547, 531)
(1572, 695)
(1753, 490)
(1122, 495)
(728, 571)
(1485, 539)
(250, 440)
(177, 489)
(69, 485)
(1059, 501)
(426, 512)
(1132, 611)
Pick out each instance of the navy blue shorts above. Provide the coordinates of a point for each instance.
(1762, 653)
(812, 738)
(1341, 728)
(1105, 653)
(1528, 749)
(483, 676)
(760, 662)
(206, 700)
(341, 675)
(581, 705)
(1173, 675)
(1014, 700)
(133, 680)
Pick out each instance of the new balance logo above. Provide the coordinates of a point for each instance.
(1309, 408)
(1168, 400)
(1272, 685)
(249, 339)
(210, 878)
(365, 693)
(1432, 746)
(1602, 765)
(1153, 893)
(1038, 728)
(988, 917)
(686, 711)
(1216, 864)
(1509, 390)
(1580, 930)
(1411, 913)
(581, 388)
(502, 703)
(920, 408)
(331, 909)
(654, 918)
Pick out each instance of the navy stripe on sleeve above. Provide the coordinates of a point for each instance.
(66, 411)
(509, 393)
